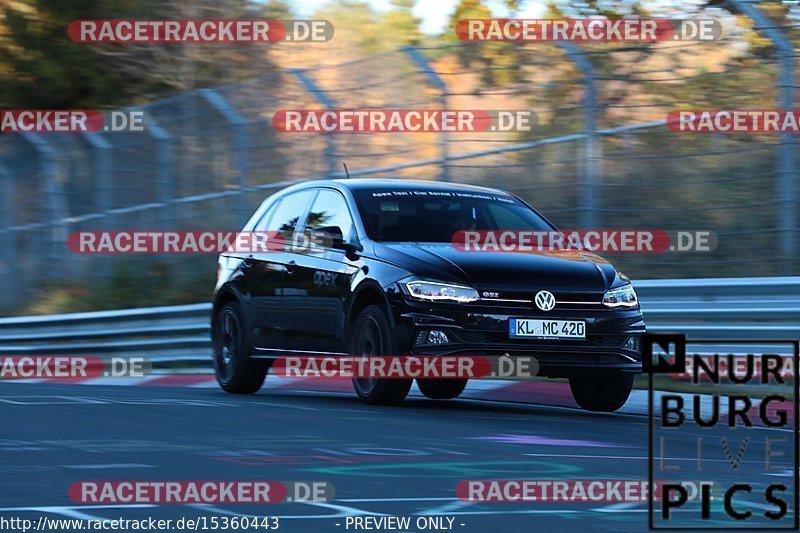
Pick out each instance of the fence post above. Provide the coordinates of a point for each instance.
(787, 191)
(8, 272)
(436, 81)
(320, 96)
(592, 146)
(55, 208)
(239, 125)
(101, 167)
(163, 164)
(103, 191)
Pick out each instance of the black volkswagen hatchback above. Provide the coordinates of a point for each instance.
(388, 280)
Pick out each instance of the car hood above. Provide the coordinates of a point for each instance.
(565, 271)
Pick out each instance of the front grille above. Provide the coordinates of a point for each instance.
(564, 300)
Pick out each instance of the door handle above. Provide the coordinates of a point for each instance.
(291, 266)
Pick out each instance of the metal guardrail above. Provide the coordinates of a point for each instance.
(709, 308)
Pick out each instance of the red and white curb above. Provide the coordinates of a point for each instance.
(536, 392)
(548, 393)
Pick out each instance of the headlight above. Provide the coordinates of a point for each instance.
(623, 296)
(440, 292)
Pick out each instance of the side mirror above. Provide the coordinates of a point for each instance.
(349, 248)
(331, 237)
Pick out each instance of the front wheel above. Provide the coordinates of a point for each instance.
(372, 337)
(602, 393)
(235, 370)
(441, 389)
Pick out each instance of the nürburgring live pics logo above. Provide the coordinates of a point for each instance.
(728, 449)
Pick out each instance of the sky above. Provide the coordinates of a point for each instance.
(434, 13)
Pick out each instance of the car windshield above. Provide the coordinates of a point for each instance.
(434, 215)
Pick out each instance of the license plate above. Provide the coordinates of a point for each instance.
(546, 329)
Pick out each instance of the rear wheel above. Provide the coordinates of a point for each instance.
(441, 389)
(602, 393)
(235, 370)
(372, 337)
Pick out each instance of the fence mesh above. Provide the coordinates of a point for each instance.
(207, 158)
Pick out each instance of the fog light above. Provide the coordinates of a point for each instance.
(437, 337)
(632, 343)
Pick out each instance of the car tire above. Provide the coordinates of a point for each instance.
(235, 370)
(372, 336)
(602, 393)
(442, 389)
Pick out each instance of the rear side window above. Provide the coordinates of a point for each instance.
(328, 211)
(288, 213)
(261, 225)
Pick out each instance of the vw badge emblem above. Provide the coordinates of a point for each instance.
(545, 300)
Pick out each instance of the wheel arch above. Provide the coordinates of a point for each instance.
(226, 294)
(368, 293)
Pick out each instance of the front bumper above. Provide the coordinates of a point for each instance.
(612, 343)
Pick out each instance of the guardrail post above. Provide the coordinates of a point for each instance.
(8, 267)
(163, 165)
(436, 81)
(787, 186)
(239, 125)
(320, 96)
(55, 251)
(592, 147)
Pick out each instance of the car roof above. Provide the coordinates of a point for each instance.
(380, 184)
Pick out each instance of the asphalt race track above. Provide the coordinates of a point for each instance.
(397, 461)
